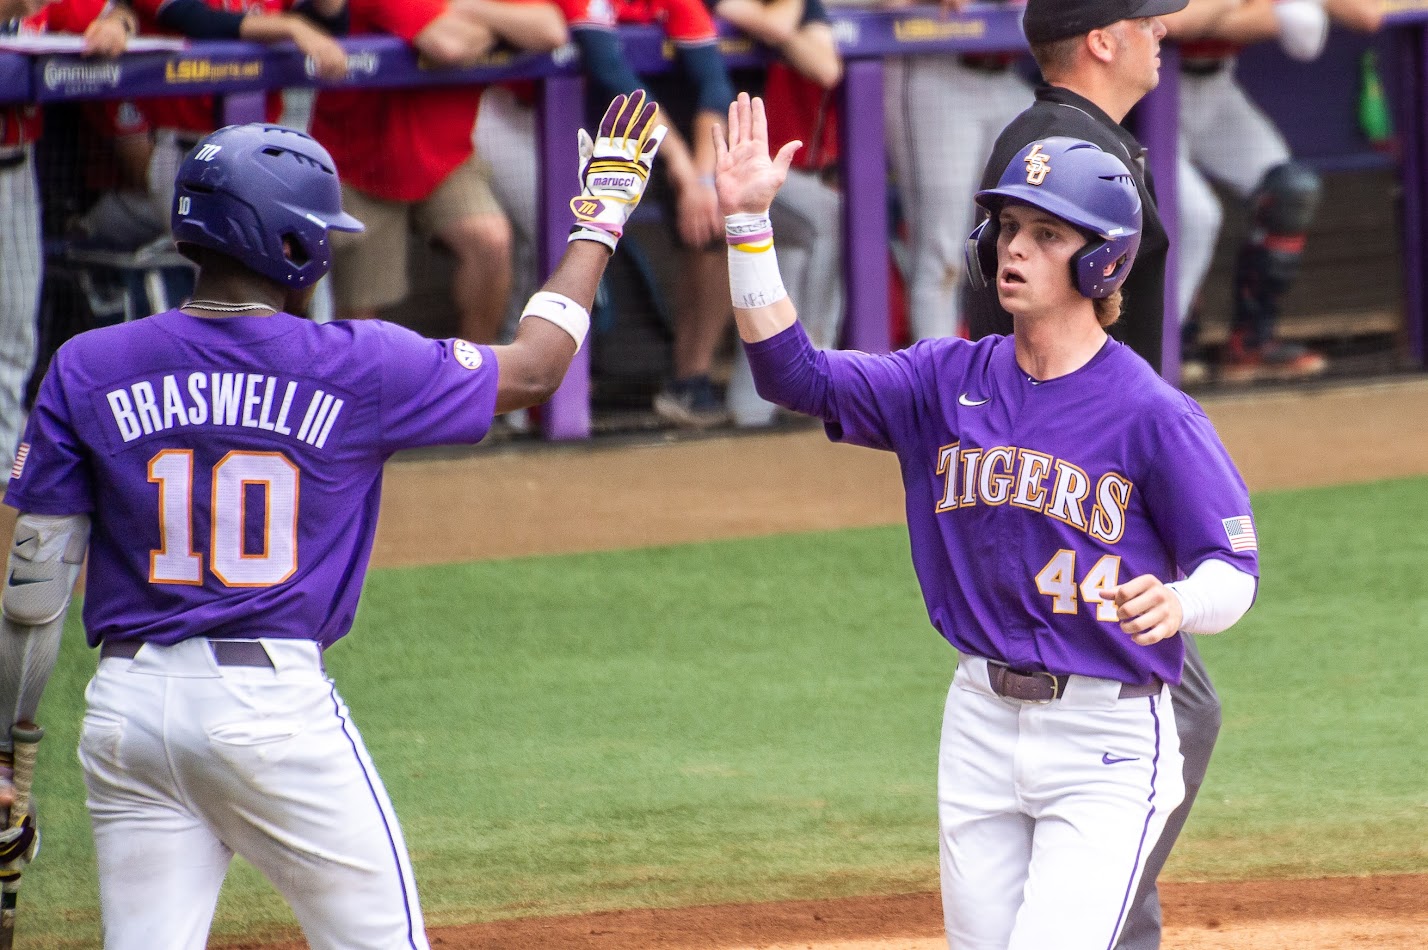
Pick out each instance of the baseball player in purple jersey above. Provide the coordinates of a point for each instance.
(223, 461)
(1069, 513)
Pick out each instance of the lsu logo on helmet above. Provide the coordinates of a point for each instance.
(1037, 165)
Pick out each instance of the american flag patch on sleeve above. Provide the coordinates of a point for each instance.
(1240, 531)
(19, 467)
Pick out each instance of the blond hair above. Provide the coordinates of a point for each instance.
(1108, 309)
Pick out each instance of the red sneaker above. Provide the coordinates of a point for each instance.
(1279, 360)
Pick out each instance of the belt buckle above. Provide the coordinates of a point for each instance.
(1055, 688)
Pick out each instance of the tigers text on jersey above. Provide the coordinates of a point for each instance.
(1025, 499)
(234, 465)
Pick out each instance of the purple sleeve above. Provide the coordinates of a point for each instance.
(434, 392)
(51, 475)
(1197, 499)
(862, 399)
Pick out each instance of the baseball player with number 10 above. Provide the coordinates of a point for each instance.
(1070, 513)
(225, 462)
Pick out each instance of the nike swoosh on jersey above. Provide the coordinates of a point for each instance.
(966, 401)
(1108, 759)
(22, 581)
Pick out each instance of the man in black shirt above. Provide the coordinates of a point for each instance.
(1099, 58)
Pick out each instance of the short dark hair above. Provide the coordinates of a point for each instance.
(1056, 56)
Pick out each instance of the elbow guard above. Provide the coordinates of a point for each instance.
(45, 561)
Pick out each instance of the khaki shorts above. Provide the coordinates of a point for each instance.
(369, 270)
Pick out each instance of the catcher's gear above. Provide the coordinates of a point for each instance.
(1080, 184)
(265, 196)
(615, 168)
(45, 560)
(1282, 208)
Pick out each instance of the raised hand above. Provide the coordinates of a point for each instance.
(615, 168)
(745, 177)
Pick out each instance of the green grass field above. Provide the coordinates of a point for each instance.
(756, 720)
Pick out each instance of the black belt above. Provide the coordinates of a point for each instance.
(15, 159)
(1043, 687)
(1203, 67)
(225, 652)
(986, 62)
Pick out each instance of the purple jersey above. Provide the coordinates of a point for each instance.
(1025, 499)
(233, 467)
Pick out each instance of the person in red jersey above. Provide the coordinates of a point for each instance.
(407, 158)
(180, 121)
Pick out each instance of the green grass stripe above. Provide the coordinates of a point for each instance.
(758, 720)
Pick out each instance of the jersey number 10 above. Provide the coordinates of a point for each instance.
(178, 563)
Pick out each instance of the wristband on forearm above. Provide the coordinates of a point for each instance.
(754, 280)
(561, 311)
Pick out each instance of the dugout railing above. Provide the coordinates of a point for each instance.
(239, 74)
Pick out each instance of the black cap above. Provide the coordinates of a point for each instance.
(1048, 20)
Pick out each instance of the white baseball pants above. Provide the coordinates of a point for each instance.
(188, 763)
(942, 120)
(1049, 811)
(20, 276)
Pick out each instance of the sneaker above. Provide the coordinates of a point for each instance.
(691, 403)
(1279, 360)
(1194, 372)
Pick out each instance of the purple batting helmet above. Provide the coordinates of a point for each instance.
(246, 189)
(1083, 186)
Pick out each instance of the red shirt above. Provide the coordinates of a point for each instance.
(196, 114)
(799, 108)
(398, 144)
(684, 21)
(20, 124)
(1209, 49)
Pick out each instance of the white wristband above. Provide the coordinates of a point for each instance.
(561, 311)
(754, 279)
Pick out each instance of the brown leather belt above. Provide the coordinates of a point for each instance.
(1043, 687)
(225, 652)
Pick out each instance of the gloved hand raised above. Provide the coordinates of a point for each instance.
(615, 168)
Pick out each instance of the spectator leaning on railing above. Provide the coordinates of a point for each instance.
(106, 32)
(799, 89)
(407, 158)
(692, 99)
(1224, 136)
(180, 121)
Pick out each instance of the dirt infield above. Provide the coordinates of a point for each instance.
(1390, 913)
(555, 499)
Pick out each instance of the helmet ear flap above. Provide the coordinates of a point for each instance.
(982, 253)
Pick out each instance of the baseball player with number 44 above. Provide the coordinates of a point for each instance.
(223, 464)
(1071, 515)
